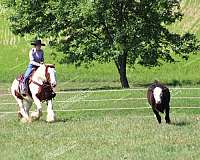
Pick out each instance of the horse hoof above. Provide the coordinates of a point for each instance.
(168, 122)
(19, 115)
(36, 115)
(25, 120)
(29, 120)
(50, 120)
(35, 118)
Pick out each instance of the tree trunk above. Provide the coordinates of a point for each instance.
(123, 77)
(121, 66)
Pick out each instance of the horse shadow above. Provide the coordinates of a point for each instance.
(180, 123)
(64, 120)
(91, 89)
(59, 120)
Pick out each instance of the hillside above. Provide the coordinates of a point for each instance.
(14, 59)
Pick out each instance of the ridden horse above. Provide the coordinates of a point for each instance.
(41, 88)
(158, 97)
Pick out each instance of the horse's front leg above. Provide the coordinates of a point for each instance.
(50, 113)
(157, 115)
(38, 113)
(167, 118)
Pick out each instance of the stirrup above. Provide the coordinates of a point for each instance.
(23, 91)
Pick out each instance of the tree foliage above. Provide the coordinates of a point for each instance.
(123, 31)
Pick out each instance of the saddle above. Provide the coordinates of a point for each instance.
(20, 78)
(45, 90)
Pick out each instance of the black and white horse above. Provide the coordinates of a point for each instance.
(158, 97)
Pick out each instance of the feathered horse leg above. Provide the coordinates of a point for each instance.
(50, 113)
(38, 113)
(23, 115)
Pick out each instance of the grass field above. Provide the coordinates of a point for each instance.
(95, 119)
(130, 133)
(14, 58)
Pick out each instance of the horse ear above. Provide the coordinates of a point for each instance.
(156, 81)
(50, 65)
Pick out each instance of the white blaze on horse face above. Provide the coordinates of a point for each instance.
(157, 93)
(52, 73)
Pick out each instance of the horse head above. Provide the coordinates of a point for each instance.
(46, 73)
(157, 93)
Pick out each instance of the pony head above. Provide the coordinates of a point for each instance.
(157, 93)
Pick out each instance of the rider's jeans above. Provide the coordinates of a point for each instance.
(28, 72)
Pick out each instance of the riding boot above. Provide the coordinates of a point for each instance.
(23, 88)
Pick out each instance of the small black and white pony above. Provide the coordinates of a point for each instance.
(41, 85)
(158, 96)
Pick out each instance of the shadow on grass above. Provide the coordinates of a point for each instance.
(63, 120)
(60, 120)
(181, 123)
(56, 121)
(91, 89)
(172, 83)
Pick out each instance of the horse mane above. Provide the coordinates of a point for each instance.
(40, 72)
(50, 65)
(157, 84)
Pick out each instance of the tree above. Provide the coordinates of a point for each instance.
(123, 31)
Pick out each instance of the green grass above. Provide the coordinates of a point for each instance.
(113, 134)
(191, 19)
(108, 137)
(116, 134)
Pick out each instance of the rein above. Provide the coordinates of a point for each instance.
(34, 82)
(47, 75)
(45, 89)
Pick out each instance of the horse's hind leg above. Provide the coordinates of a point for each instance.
(22, 113)
(157, 115)
(167, 118)
(27, 106)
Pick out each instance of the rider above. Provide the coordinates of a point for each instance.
(36, 56)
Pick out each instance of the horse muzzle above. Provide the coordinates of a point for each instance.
(158, 102)
(53, 85)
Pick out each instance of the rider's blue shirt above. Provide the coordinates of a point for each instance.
(36, 56)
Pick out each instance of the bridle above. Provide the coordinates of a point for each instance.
(47, 76)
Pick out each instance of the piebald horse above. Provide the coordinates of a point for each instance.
(41, 89)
